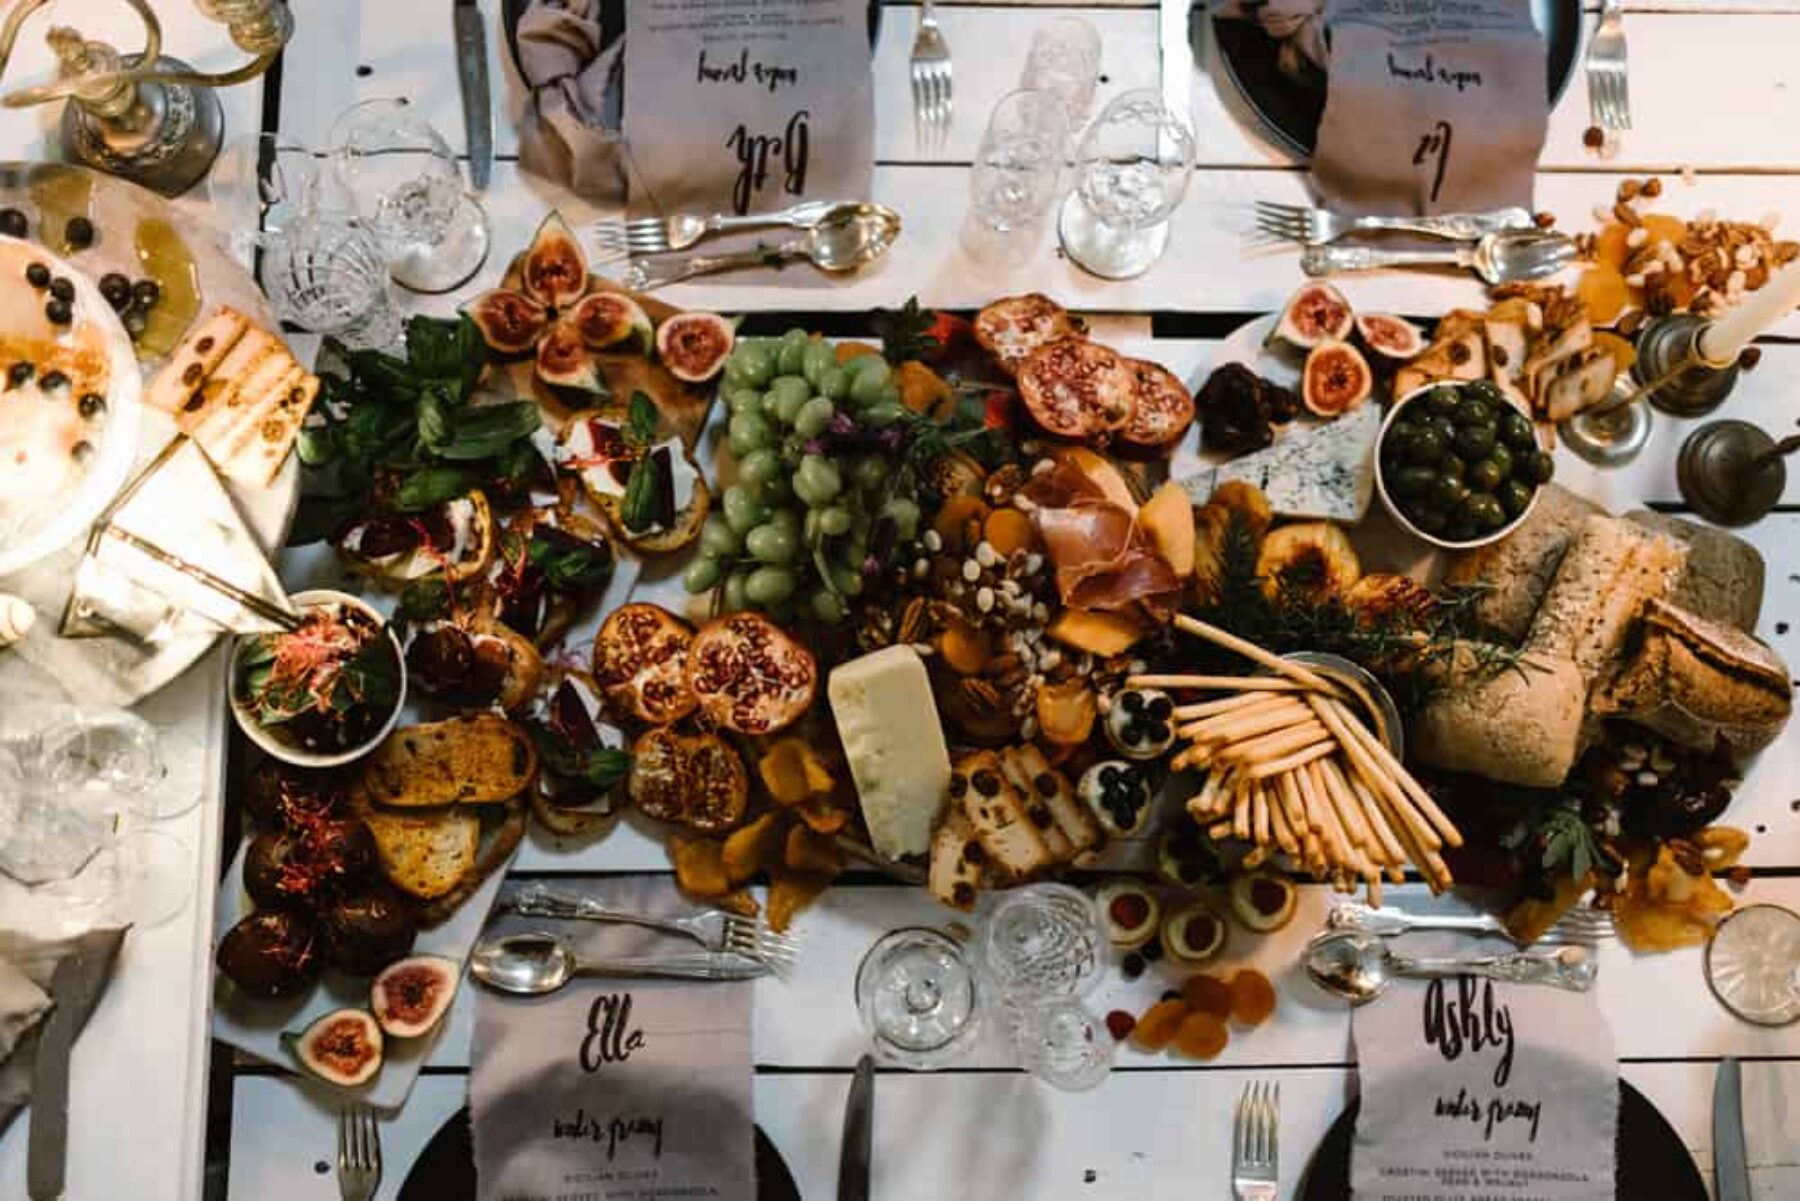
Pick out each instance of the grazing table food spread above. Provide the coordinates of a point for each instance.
(1169, 687)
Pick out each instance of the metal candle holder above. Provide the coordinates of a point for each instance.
(1670, 373)
(147, 117)
(1731, 472)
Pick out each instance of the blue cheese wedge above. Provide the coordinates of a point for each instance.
(895, 745)
(1324, 471)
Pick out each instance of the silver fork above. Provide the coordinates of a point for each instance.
(359, 1153)
(930, 79)
(1609, 97)
(1581, 926)
(713, 929)
(1256, 1149)
(1318, 227)
(661, 235)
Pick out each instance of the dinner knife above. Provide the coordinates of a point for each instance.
(46, 1154)
(1177, 55)
(472, 73)
(859, 1132)
(1731, 1160)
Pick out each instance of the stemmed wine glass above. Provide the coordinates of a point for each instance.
(326, 273)
(918, 998)
(1753, 964)
(402, 180)
(1132, 170)
(1017, 171)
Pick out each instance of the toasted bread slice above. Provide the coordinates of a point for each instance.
(425, 852)
(458, 544)
(956, 861)
(1072, 818)
(1020, 775)
(592, 448)
(476, 760)
(994, 808)
(253, 452)
(178, 384)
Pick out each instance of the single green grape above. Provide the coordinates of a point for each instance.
(745, 400)
(834, 521)
(833, 383)
(847, 580)
(821, 479)
(702, 574)
(791, 392)
(743, 512)
(905, 514)
(814, 417)
(749, 431)
(752, 363)
(864, 362)
(769, 585)
(760, 466)
(771, 544)
(866, 387)
(737, 594)
(718, 539)
(818, 356)
(882, 414)
(827, 605)
(786, 520)
(791, 356)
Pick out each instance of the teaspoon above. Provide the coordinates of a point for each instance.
(1359, 966)
(850, 236)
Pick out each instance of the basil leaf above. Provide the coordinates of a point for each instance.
(485, 432)
(606, 766)
(434, 425)
(433, 485)
(319, 517)
(317, 445)
(435, 347)
(570, 565)
(640, 426)
(637, 509)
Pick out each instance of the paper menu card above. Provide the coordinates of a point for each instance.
(741, 106)
(1474, 1089)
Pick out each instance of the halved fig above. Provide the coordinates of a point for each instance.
(694, 346)
(474, 664)
(694, 780)
(1162, 409)
(510, 322)
(344, 1047)
(410, 997)
(270, 954)
(555, 271)
(1012, 328)
(280, 797)
(1389, 337)
(749, 675)
(563, 360)
(1077, 389)
(608, 319)
(640, 662)
(1336, 379)
(1316, 313)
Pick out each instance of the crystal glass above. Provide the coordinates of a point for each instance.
(1017, 172)
(117, 760)
(42, 840)
(1753, 964)
(400, 177)
(1064, 1044)
(1064, 60)
(259, 184)
(1043, 941)
(1131, 170)
(917, 995)
(327, 275)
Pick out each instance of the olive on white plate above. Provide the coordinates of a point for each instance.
(1141, 723)
(1119, 795)
(1130, 911)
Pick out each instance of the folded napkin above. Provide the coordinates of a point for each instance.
(1431, 108)
(26, 966)
(627, 1089)
(1475, 1089)
(569, 132)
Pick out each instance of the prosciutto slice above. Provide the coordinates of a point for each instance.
(1102, 559)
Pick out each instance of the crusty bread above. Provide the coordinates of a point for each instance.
(473, 760)
(956, 860)
(1073, 822)
(1611, 571)
(424, 852)
(1519, 724)
(1015, 848)
(1515, 572)
(1723, 579)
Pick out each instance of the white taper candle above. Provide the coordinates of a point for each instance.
(1721, 341)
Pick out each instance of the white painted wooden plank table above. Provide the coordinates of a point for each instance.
(1712, 94)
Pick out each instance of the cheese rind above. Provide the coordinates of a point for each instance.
(895, 745)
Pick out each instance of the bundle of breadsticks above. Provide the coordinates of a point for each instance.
(1290, 766)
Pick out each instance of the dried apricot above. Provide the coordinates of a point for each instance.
(1252, 997)
(1611, 247)
(1202, 1036)
(1008, 530)
(1066, 711)
(1602, 290)
(1207, 994)
(1660, 227)
(963, 647)
(953, 518)
(921, 389)
(1157, 1025)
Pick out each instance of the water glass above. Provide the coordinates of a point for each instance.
(1753, 964)
(258, 184)
(918, 998)
(1017, 173)
(1064, 60)
(1043, 942)
(326, 274)
(400, 178)
(1132, 169)
(1064, 1044)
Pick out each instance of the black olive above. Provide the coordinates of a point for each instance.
(37, 275)
(53, 380)
(1161, 709)
(63, 289)
(146, 291)
(116, 289)
(1132, 966)
(13, 223)
(79, 233)
(1133, 702)
(1151, 951)
(1159, 732)
(1045, 784)
(59, 312)
(959, 784)
(20, 373)
(1132, 734)
(92, 405)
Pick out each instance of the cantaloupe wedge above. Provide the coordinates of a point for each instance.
(1094, 631)
(1168, 519)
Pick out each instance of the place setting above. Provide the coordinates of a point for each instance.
(716, 598)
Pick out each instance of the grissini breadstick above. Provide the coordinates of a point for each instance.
(1378, 824)
(1240, 811)
(1275, 745)
(1278, 822)
(1304, 676)
(1215, 683)
(1259, 812)
(1224, 705)
(1300, 758)
(1349, 813)
(1274, 710)
(1357, 731)
(1377, 777)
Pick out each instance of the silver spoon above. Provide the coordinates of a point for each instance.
(851, 235)
(1359, 966)
(536, 963)
(1497, 258)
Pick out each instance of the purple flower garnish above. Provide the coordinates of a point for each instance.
(815, 446)
(871, 567)
(843, 424)
(892, 437)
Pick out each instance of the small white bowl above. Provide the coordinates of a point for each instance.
(286, 751)
(1394, 510)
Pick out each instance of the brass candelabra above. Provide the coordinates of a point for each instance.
(146, 117)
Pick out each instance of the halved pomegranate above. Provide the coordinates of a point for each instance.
(749, 675)
(640, 663)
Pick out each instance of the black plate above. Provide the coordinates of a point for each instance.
(445, 1170)
(1290, 108)
(612, 23)
(1652, 1161)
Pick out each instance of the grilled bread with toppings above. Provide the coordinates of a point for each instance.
(480, 759)
(1049, 789)
(595, 448)
(957, 857)
(454, 539)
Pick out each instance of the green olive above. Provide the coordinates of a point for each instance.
(1400, 438)
(1484, 389)
(1474, 411)
(1452, 467)
(1427, 446)
(1412, 481)
(1448, 493)
(1446, 429)
(1485, 475)
(1514, 496)
(1516, 430)
(1502, 457)
(1536, 467)
(1483, 512)
(1428, 518)
(1460, 529)
(1442, 401)
(1474, 441)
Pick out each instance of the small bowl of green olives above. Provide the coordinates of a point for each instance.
(1458, 464)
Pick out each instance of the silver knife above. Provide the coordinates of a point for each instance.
(472, 73)
(1177, 55)
(46, 1155)
(1731, 1160)
(859, 1134)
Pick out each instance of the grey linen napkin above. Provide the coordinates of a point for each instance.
(1431, 108)
(569, 132)
(23, 1004)
(1473, 1088)
(625, 1089)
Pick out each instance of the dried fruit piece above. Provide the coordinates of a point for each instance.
(792, 771)
(1603, 292)
(964, 647)
(1201, 1036)
(1066, 712)
(812, 853)
(754, 847)
(699, 866)
(1007, 530)
(1206, 993)
(1120, 1025)
(789, 893)
(953, 519)
(1252, 997)
(1157, 1025)
(1308, 561)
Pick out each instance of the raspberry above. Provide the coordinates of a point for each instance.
(1120, 1024)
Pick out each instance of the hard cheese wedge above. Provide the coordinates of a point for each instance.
(1320, 471)
(895, 745)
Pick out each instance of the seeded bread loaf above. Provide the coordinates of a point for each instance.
(476, 760)
(1723, 579)
(1515, 572)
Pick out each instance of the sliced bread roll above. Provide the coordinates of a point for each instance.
(1610, 572)
(1515, 572)
(956, 860)
(475, 760)
(425, 853)
(1013, 846)
(1723, 579)
(1519, 724)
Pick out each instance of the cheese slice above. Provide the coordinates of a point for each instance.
(1324, 471)
(895, 745)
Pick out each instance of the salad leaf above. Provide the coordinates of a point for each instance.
(640, 426)
(433, 485)
(488, 431)
(570, 564)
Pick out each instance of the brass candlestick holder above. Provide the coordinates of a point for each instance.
(1732, 473)
(147, 117)
(1670, 374)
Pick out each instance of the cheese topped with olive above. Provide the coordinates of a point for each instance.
(1140, 723)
